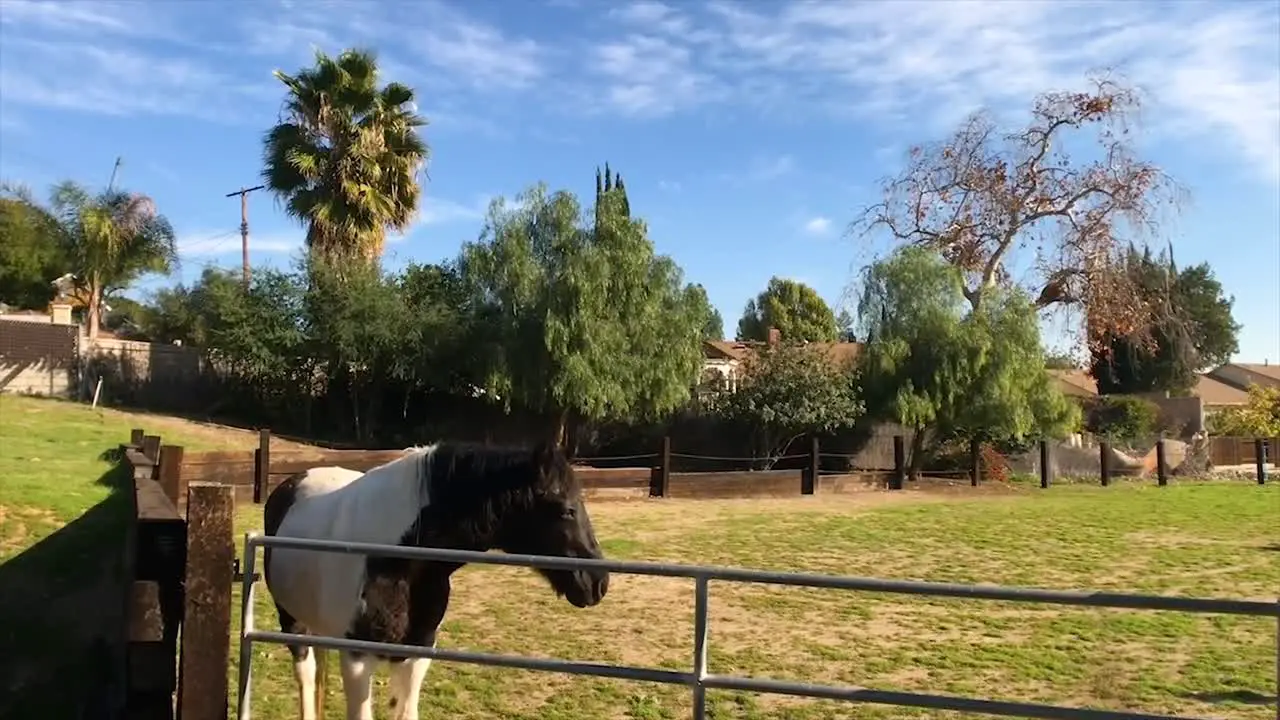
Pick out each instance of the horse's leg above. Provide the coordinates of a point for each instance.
(407, 675)
(304, 666)
(428, 600)
(357, 684)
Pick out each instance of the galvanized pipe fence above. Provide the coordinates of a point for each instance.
(699, 680)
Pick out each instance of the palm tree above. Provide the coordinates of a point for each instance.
(346, 156)
(110, 239)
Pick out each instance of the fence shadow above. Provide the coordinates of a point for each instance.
(63, 616)
(1239, 697)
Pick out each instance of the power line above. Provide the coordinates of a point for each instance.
(244, 226)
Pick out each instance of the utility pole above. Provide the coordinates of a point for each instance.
(244, 227)
(114, 170)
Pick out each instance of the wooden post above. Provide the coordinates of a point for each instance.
(899, 479)
(1260, 460)
(160, 551)
(975, 461)
(809, 480)
(1162, 464)
(1046, 465)
(1104, 458)
(206, 624)
(262, 466)
(170, 475)
(149, 663)
(135, 437)
(151, 447)
(660, 477)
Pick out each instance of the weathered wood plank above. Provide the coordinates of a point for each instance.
(206, 624)
(761, 483)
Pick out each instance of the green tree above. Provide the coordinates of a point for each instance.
(580, 321)
(795, 309)
(934, 364)
(1192, 329)
(1258, 418)
(787, 391)
(109, 240)
(713, 324)
(1122, 417)
(345, 160)
(31, 251)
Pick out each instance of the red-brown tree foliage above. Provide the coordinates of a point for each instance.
(983, 194)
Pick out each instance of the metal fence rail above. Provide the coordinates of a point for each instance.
(699, 680)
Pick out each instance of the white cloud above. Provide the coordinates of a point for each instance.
(212, 244)
(1211, 69)
(670, 185)
(440, 211)
(818, 225)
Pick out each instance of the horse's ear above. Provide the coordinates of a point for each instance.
(546, 456)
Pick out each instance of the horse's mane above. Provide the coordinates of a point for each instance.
(471, 486)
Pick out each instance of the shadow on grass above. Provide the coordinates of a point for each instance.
(62, 601)
(1238, 697)
(1274, 547)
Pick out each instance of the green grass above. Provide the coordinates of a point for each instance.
(1207, 539)
(62, 522)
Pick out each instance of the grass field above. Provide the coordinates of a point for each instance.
(62, 521)
(1204, 540)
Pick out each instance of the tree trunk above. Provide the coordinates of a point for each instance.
(916, 462)
(561, 428)
(95, 308)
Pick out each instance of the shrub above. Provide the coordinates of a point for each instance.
(1122, 417)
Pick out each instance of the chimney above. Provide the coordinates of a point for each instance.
(775, 336)
(60, 314)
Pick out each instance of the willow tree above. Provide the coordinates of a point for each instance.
(346, 155)
(579, 318)
(947, 371)
(988, 199)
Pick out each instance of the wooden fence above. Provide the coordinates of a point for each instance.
(180, 553)
(179, 561)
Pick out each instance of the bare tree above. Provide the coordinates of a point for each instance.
(982, 194)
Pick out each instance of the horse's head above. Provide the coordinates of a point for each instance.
(555, 522)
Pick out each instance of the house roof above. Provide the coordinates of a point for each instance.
(1265, 370)
(1213, 392)
(1078, 383)
(741, 350)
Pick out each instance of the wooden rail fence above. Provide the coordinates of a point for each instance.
(180, 553)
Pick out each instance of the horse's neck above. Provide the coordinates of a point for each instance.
(388, 500)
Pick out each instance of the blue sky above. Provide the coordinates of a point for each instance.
(749, 134)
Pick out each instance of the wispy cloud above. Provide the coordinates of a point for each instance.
(441, 211)
(818, 225)
(209, 244)
(1211, 69)
(671, 186)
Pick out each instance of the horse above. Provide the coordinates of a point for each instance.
(452, 495)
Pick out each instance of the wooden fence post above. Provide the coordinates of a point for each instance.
(809, 480)
(151, 447)
(148, 660)
(1260, 459)
(262, 466)
(1046, 465)
(170, 475)
(135, 437)
(206, 625)
(1104, 458)
(1162, 464)
(975, 461)
(899, 479)
(660, 476)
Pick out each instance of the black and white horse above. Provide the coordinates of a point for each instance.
(448, 495)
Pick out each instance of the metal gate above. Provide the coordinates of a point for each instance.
(699, 680)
